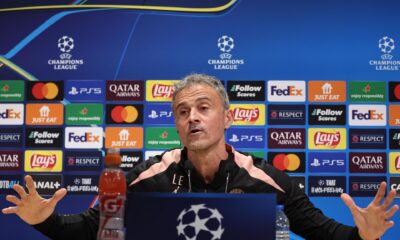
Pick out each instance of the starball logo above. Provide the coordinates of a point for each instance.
(327, 138)
(248, 114)
(286, 91)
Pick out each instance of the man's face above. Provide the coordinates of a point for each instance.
(200, 117)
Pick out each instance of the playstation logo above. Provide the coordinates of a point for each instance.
(153, 114)
(234, 138)
(316, 163)
(73, 91)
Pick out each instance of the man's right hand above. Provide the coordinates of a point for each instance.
(30, 206)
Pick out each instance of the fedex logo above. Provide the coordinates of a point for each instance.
(83, 137)
(367, 115)
(11, 114)
(289, 91)
(370, 115)
(286, 91)
(87, 137)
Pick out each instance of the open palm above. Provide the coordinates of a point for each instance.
(30, 206)
(373, 221)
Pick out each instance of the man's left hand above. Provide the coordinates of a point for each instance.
(373, 221)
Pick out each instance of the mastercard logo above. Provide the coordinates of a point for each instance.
(396, 91)
(290, 162)
(45, 90)
(124, 114)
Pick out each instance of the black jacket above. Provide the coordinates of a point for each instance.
(240, 173)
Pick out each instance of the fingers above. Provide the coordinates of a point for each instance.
(20, 190)
(380, 194)
(58, 195)
(389, 199)
(13, 199)
(349, 202)
(30, 184)
(390, 213)
(9, 210)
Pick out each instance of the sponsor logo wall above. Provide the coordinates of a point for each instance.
(331, 136)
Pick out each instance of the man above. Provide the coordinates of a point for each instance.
(208, 164)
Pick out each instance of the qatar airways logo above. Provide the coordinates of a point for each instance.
(248, 115)
(162, 90)
(43, 161)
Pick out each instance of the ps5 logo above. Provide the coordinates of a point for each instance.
(161, 114)
(246, 138)
(327, 162)
(84, 90)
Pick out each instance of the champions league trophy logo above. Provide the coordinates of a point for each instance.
(386, 45)
(200, 222)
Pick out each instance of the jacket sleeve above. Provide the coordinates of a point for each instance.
(81, 226)
(305, 219)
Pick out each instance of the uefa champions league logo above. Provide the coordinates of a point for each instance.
(226, 44)
(65, 44)
(200, 222)
(386, 45)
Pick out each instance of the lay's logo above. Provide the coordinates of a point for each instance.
(159, 91)
(326, 138)
(43, 161)
(244, 114)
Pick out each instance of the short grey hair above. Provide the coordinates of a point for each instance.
(195, 79)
